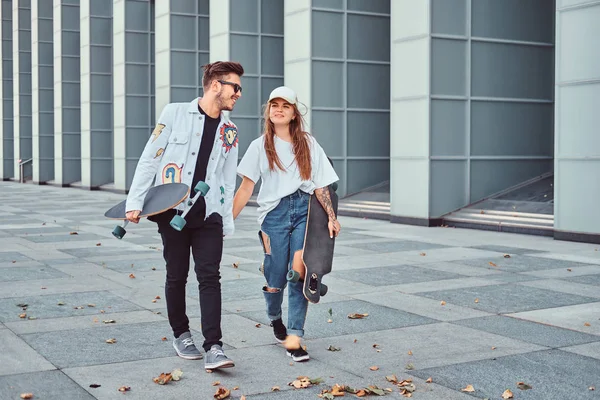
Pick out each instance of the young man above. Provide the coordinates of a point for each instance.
(195, 142)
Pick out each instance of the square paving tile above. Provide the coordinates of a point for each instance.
(29, 273)
(46, 306)
(586, 279)
(507, 249)
(519, 263)
(507, 298)
(397, 246)
(18, 357)
(393, 275)
(61, 238)
(134, 342)
(581, 317)
(431, 345)
(47, 385)
(553, 375)
(12, 256)
(252, 380)
(316, 325)
(104, 251)
(527, 331)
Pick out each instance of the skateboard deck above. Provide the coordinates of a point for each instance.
(158, 199)
(317, 254)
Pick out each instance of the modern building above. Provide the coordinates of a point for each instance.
(480, 113)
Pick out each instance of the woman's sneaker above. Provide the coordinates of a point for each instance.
(279, 330)
(298, 354)
(185, 347)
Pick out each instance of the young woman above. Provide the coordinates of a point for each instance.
(292, 166)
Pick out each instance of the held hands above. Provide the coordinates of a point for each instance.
(133, 216)
(334, 228)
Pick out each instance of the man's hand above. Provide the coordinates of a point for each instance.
(133, 216)
(334, 228)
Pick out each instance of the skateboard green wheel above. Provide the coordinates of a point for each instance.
(323, 289)
(202, 187)
(177, 223)
(334, 186)
(292, 276)
(119, 232)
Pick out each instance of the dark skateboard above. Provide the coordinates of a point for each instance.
(317, 254)
(158, 199)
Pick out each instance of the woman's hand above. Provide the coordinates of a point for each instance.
(334, 228)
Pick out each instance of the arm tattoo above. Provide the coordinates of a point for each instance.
(325, 200)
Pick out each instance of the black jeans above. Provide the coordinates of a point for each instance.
(206, 242)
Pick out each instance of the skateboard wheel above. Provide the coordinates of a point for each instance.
(202, 188)
(334, 186)
(323, 289)
(177, 223)
(292, 276)
(119, 232)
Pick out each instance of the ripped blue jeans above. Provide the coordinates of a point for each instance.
(284, 227)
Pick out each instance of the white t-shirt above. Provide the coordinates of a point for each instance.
(277, 184)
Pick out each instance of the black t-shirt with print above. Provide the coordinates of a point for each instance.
(196, 215)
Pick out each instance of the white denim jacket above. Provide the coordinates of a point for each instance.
(170, 157)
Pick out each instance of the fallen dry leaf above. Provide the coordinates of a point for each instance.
(443, 302)
(374, 368)
(592, 388)
(109, 321)
(355, 340)
(357, 315)
(429, 380)
(132, 276)
(236, 264)
(587, 324)
(243, 397)
(176, 374)
(23, 315)
(73, 233)
(493, 347)
(492, 264)
(423, 254)
(98, 244)
(216, 383)
(507, 256)
(154, 300)
(91, 305)
(410, 353)
(236, 388)
(162, 379)
(507, 394)
(275, 389)
(330, 320)
(95, 386)
(569, 269)
(523, 386)
(409, 366)
(111, 341)
(333, 348)
(27, 395)
(258, 325)
(476, 300)
(391, 378)
(157, 297)
(164, 339)
(124, 388)
(469, 389)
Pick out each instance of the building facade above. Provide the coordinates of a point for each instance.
(447, 102)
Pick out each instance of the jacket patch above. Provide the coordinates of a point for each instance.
(171, 173)
(229, 136)
(157, 131)
(159, 152)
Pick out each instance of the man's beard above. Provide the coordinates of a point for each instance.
(222, 103)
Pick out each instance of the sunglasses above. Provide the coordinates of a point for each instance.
(236, 87)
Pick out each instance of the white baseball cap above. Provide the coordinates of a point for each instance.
(285, 93)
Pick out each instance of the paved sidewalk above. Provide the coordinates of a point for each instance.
(441, 303)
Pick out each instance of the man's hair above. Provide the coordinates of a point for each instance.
(219, 69)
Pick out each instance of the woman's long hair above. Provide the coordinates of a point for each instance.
(300, 141)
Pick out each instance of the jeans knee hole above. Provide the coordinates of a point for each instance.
(271, 290)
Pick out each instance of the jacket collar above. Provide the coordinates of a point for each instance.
(193, 108)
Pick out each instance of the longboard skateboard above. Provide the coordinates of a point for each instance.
(158, 199)
(317, 253)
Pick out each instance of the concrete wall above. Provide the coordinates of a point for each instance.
(472, 100)
(577, 163)
(7, 164)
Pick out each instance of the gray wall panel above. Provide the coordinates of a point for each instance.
(449, 178)
(448, 128)
(449, 17)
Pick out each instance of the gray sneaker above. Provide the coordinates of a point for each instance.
(216, 358)
(185, 348)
